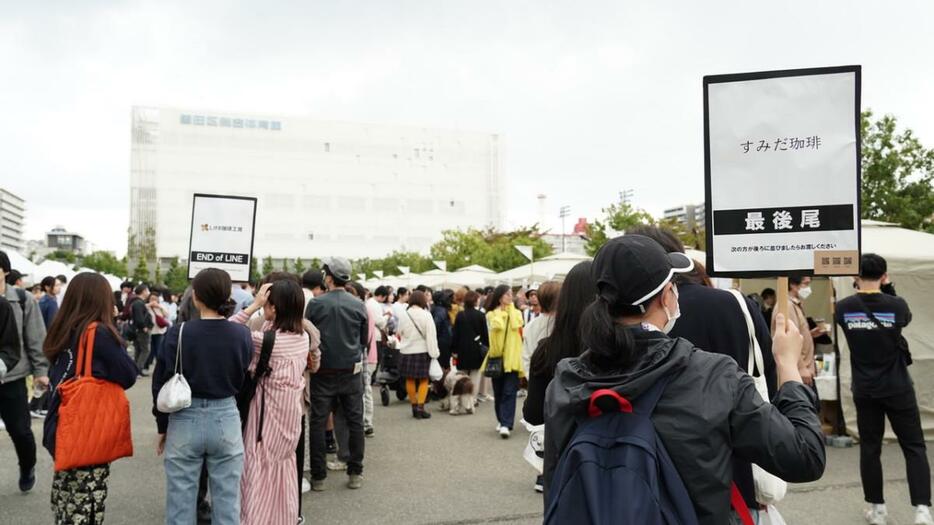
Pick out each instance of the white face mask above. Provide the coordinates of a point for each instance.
(672, 318)
(804, 292)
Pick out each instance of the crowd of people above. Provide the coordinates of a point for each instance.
(294, 359)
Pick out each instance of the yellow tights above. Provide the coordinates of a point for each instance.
(417, 394)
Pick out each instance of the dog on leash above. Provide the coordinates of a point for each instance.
(460, 398)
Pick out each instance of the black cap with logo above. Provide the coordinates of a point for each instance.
(632, 269)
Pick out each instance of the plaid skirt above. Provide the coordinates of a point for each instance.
(414, 365)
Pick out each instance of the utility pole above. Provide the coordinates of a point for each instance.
(564, 213)
(626, 196)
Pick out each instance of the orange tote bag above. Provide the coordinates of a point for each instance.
(93, 417)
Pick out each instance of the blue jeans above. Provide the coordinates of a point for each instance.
(208, 431)
(505, 388)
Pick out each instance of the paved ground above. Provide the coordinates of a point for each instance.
(449, 470)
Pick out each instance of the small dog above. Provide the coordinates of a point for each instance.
(460, 398)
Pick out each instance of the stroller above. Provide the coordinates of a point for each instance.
(387, 375)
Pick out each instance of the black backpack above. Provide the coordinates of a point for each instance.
(11, 348)
(253, 381)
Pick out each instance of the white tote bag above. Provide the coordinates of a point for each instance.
(435, 373)
(175, 394)
(770, 489)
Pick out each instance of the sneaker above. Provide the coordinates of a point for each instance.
(504, 432)
(876, 515)
(540, 484)
(498, 427)
(27, 480)
(369, 432)
(337, 466)
(306, 487)
(355, 481)
(301, 520)
(522, 393)
(317, 485)
(38, 414)
(923, 515)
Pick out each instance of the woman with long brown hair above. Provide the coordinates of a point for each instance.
(78, 494)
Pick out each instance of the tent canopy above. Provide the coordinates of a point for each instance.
(546, 268)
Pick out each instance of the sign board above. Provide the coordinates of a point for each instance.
(222, 229)
(782, 171)
(525, 250)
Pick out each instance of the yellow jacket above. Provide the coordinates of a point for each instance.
(511, 352)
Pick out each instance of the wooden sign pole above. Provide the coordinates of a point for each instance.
(781, 296)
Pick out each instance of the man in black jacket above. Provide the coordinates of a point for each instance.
(141, 322)
(713, 321)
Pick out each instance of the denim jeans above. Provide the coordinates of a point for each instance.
(505, 388)
(208, 431)
(331, 392)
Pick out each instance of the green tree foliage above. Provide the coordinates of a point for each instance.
(63, 256)
(268, 267)
(299, 266)
(285, 265)
(254, 274)
(617, 217)
(898, 175)
(692, 239)
(140, 272)
(390, 264)
(489, 248)
(176, 277)
(105, 262)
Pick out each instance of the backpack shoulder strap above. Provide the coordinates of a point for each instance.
(265, 352)
(755, 361)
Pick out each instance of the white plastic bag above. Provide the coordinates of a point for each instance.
(770, 516)
(770, 489)
(534, 452)
(175, 394)
(435, 373)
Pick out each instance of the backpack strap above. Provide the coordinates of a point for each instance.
(263, 370)
(739, 505)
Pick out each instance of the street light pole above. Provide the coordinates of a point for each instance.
(564, 213)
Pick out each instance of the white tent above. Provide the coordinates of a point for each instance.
(26, 267)
(54, 268)
(473, 276)
(910, 257)
(553, 266)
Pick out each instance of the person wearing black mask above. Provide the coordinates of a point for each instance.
(709, 410)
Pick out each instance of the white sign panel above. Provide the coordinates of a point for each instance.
(222, 230)
(782, 170)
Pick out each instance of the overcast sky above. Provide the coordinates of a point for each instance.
(591, 97)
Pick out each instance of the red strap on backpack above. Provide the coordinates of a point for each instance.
(739, 505)
(594, 411)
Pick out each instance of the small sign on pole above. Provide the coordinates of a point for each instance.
(404, 269)
(525, 250)
(442, 265)
(222, 231)
(782, 172)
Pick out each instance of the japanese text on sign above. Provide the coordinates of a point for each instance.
(781, 144)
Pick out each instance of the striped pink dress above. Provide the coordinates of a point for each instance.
(269, 485)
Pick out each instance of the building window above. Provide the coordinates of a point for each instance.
(327, 147)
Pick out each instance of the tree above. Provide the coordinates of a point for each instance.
(176, 277)
(299, 266)
(617, 217)
(898, 175)
(140, 272)
(268, 267)
(285, 265)
(105, 262)
(63, 256)
(489, 248)
(157, 278)
(254, 275)
(695, 238)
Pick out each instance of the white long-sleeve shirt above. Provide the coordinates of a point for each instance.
(418, 334)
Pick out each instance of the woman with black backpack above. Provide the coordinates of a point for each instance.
(701, 406)
(269, 489)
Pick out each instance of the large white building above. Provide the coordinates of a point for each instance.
(323, 188)
(12, 220)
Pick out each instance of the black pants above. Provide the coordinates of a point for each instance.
(14, 410)
(902, 411)
(300, 462)
(330, 391)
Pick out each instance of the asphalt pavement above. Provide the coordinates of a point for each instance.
(446, 470)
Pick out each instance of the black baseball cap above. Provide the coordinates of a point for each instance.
(632, 269)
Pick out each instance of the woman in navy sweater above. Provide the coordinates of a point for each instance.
(214, 358)
(78, 494)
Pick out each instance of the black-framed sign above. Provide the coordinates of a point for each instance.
(782, 172)
(222, 230)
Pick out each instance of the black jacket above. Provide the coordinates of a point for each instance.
(140, 315)
(443, 329)
(709, 413)
(713, 321)
(467, 326)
